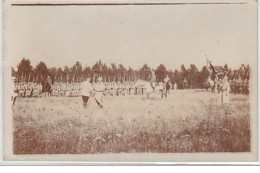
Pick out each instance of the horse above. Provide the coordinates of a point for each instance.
(46, 87)
(151, 87)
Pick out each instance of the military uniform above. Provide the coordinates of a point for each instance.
(86, 90)
(99, 89)
(225, 92)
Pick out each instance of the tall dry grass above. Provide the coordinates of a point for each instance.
(184, 122)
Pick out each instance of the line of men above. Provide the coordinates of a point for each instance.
(31, 89)
(237, 86)
(99, 90)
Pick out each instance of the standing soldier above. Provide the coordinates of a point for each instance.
(48, 86)
(13, 91)
(99, 88)
(167, 83)
(86, 90)
(225, 90)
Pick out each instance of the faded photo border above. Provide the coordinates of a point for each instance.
(125, 158)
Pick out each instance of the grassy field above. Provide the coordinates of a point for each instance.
(184, 122)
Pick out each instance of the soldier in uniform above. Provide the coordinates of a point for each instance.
(99, 89)
(13, 91)
(48, 86)
(167, 83)
(225, 90)
(86, 90)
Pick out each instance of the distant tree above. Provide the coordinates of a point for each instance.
(203, 76)
(41, 71)
(177, 78)
(184, 72)
(160, 73)
(130, 74)
(97, 69)
(24, 69)
(121, 71)
(66, 71)
(53, 73)
(114, 72)
(77, 72)
(145, 72)
(60, 75)
(87, 72)
(193, 74)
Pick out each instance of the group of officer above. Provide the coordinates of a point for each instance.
(237, 86)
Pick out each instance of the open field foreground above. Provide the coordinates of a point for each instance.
(184, 122)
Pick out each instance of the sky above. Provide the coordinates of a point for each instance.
(132, 35)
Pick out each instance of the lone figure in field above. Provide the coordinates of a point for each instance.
(99, 89)
(48, 86)
(14, 93)
(86, 90)
(225, 90)
(168, 84)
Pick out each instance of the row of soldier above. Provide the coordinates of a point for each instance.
(237, 86)
(32, 89)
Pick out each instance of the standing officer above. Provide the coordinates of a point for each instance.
(86, 90)
(99, 89)
(225, 90)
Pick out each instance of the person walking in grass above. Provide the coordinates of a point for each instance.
(99, 89)
(225, 90)
(86, 90)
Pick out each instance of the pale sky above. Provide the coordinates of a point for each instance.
(132, 35)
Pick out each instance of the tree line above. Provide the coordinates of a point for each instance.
(190, 77)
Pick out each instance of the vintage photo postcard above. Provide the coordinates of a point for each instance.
(128, 81)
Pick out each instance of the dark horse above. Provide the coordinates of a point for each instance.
(46, 88)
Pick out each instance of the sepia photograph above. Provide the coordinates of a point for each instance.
(130, 81)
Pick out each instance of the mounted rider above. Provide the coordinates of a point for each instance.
(167, 83)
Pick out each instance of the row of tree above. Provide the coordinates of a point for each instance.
(190, 77)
